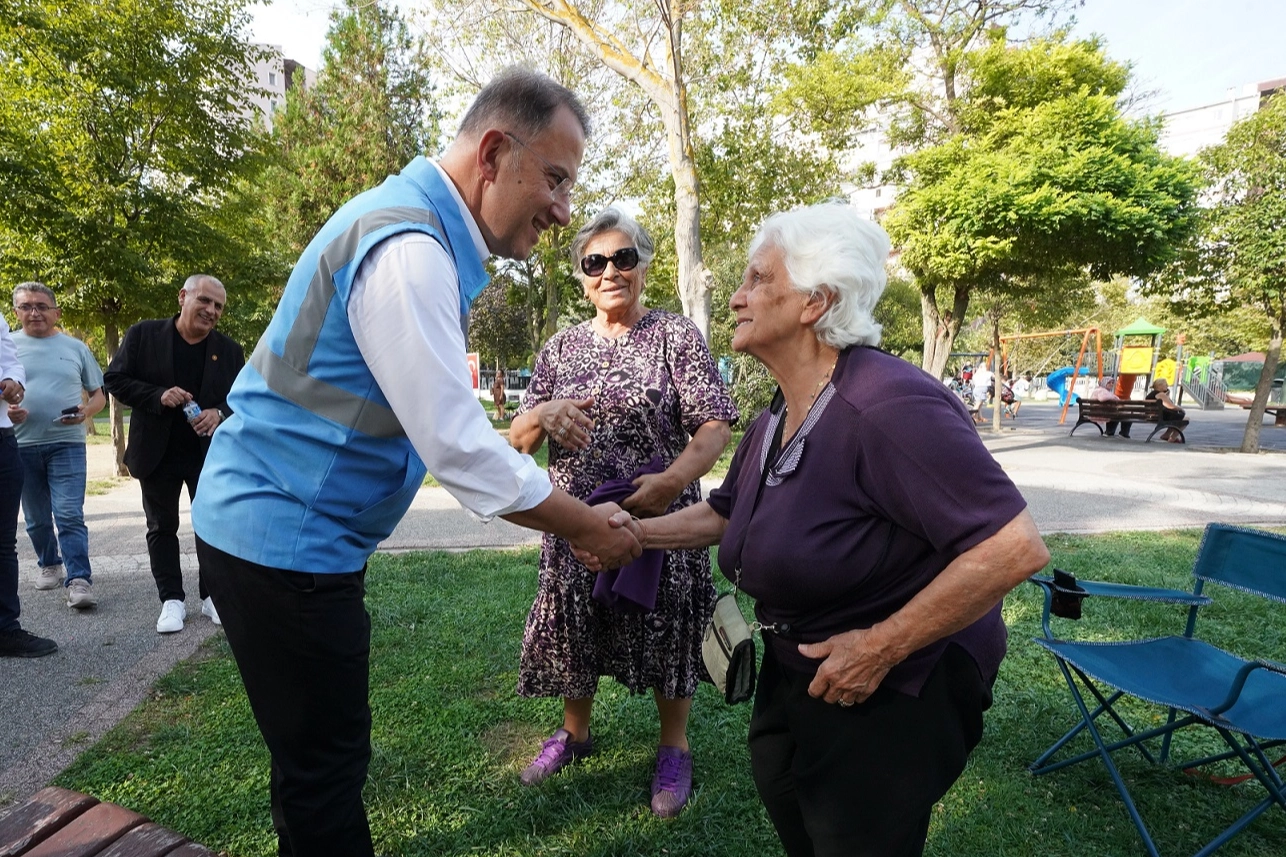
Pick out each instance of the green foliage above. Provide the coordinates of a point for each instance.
(122, 127)
(450, 736)
(1239, 258)
(498, 327)
(898, 313)
(369, 113)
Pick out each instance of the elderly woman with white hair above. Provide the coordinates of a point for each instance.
(877, 562)
(631, 402)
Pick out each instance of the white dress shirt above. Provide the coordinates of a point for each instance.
(9, 368)
(404, 310)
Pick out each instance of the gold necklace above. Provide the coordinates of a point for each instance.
(813, 398)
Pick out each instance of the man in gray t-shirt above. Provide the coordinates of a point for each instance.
(49, 426)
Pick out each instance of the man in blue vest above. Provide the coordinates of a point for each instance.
(359, 385)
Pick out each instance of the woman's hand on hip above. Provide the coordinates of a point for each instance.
(565, 422)
(851, 669)
(654, 495)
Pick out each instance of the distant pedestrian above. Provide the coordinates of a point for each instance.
(1022, 387)
(499, 396)
(164, 366)
(50, 428)
(14, 641)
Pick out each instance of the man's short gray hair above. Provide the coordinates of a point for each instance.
(522, 101)
(830, 250)
(613, 220)
(197, 279)
(37, 288)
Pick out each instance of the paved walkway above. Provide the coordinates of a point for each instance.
(53, 708)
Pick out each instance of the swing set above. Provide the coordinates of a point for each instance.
(1085, 332)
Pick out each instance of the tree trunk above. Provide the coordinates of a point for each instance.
(112, 338)
(666, 89)
(997, 406)
(940, 329)
(1250, 440)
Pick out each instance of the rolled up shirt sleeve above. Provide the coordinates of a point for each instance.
(405, 314)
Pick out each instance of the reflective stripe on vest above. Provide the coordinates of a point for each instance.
(287, 374)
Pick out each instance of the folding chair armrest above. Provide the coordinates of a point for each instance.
(1239, 681)
(1086, 588)
(1125, 590)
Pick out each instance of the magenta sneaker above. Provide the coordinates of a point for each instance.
(672, 784)
(557, 752)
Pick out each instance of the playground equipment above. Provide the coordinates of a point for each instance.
(1060, 381)
(1074, 372)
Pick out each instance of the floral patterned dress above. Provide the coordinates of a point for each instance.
(653, 387)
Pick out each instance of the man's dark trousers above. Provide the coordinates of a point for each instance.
(10, 491)
(302, 643)
(161, 509)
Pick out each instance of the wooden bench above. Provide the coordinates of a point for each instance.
(1278, 412)
(1148, 411)
(56, 822)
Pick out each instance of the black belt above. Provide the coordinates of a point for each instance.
(6, 431)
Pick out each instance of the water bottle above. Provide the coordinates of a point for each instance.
(191, 410)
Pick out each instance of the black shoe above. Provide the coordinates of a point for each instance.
(1112, 434)
(1124, 435)
(21, 644)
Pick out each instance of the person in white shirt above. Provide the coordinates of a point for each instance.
(358, 387)
(982, 379)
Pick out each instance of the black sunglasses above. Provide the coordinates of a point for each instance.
(625, 259)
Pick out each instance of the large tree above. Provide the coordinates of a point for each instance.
(123, 123)
(1038, 177)
(371, 110)
(1239, 258)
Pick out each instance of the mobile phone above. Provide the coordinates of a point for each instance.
(68, 413)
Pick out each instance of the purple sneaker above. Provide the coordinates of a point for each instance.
(558, 751)
(672, 784)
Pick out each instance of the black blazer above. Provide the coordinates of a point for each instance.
(143, 369)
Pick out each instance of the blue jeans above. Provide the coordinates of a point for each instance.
(53, 491)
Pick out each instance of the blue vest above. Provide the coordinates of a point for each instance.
(313, 470)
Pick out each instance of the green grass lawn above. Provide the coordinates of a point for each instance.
(450, 736)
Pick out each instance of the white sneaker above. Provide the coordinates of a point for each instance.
(207, 609)
(172, 615)
(50, 576)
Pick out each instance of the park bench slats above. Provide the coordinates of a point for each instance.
(36, 818)
(1148, 411)
(56, 822)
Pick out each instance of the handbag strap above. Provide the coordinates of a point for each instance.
(774, 449)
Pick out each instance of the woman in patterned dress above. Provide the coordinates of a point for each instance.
(612, 394)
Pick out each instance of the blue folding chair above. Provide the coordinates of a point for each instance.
(1201, 685)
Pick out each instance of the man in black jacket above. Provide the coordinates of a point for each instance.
(163, 368)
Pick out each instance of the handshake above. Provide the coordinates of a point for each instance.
(618, 544)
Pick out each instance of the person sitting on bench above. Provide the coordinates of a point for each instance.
(1104, 392)
(1170, 412)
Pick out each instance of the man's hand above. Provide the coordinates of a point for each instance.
(207, 421)
(619, 520)
(654, 495)
(11, 391)
(17, 415)
(612, 545)
(175, 397)
(74, 419)
(851, 670)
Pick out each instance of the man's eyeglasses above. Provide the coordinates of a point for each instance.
(34, 308)
(562, 184)
(625, 259)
